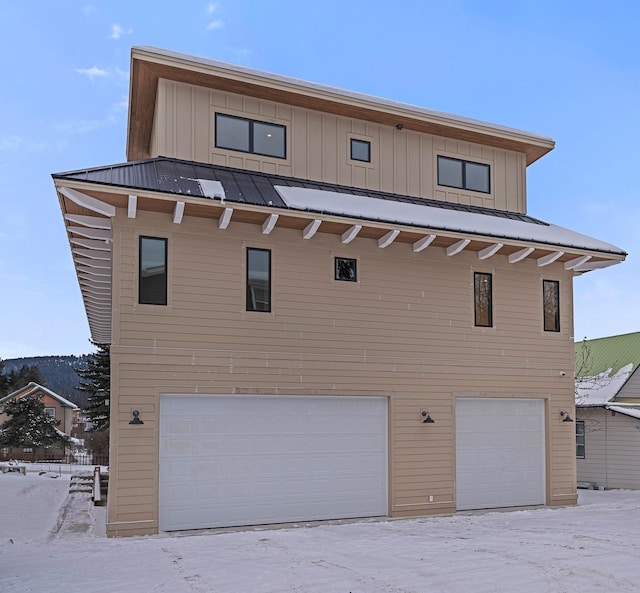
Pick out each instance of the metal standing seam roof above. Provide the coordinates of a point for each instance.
(613, 352)
(175, 176)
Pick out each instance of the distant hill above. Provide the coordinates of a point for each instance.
(58, 373)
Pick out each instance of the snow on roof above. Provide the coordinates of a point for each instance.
(601, 388)
(32, 388)
(633, 412)
(437, 218)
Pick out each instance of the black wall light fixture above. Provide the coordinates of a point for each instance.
(136, 418)
(426, 417)
(565, 416)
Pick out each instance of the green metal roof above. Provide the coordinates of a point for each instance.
(599, 355)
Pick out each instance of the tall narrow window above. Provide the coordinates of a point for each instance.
(483, 299)
(153, 271)
(551, 305)
(258, 279)
(580, 439)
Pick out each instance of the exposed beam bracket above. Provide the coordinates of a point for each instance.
(577, 262)
(96, 234)
(423, 243)
(133, 206)
(178, 212)
(94, 222)
(457, 247)
(311, 229)
(350, 234)
(225, 218)
(88, 202)
(545, 260)
(490, 251)
(269, 224)
(514, 258)
(387, 239)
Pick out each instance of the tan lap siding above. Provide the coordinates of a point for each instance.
(404, 330)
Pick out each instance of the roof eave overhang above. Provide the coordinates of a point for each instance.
(91, 243)
(149, 65)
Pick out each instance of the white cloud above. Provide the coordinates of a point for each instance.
(93, 72)
(212, 8)
(214, 25)
(117, 31)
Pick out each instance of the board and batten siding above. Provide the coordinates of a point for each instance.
(612, 449)
(404, 331)
(403, 161)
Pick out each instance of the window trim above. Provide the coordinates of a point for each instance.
(248, 295)
(353, 140)
(251, 123)
(463, 185)
(556, 312)
(50, 411)
(335, 269)
(476, 295)
(583, 444)
(141, 238)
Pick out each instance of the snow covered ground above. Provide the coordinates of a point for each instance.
(51, 542)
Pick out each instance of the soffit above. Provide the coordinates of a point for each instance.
(148, 65)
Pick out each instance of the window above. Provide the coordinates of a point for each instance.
(258, 279)
(463, 174)
(483, 299)
(153, 271)
(346, 269)
(247, 135)
(51, 412)
(360, 150)
(551, 305)
(580, 439)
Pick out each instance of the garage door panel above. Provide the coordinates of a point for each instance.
(500, 452)
(262, 459)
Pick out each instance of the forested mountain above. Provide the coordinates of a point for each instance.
(58, 374)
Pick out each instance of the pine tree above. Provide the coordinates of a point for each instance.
(27, 373)
(29, 426)
(4, 380)
(95, 380)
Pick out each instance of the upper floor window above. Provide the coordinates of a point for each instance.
(258, 279)
(346, 269)
(483, 299)
(360, 150)
(51, 412)
(248, 135)
(152, 288)
(464, 174)
(580, 439)
(551, 305)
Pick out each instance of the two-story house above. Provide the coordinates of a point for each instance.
(322, 305)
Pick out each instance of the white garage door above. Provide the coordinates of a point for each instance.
(500, 453)
(250, 460)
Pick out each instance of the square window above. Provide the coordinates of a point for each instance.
(360, 150)
(232, 132)
(346, 269)
(476, 177)
(269, 139)
(258, 280)
(483, 305)
(51, 412)
(551, 305)
(449, 172)
(153, 271)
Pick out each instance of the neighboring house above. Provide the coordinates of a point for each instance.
(322, 305)
(608, 411)
(55, 406)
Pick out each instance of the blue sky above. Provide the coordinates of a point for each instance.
(568, 70)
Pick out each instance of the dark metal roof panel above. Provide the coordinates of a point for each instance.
(176, 176)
